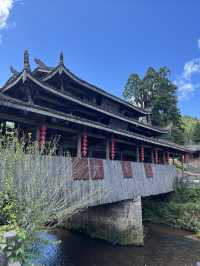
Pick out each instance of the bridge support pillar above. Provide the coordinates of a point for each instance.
(119, 223)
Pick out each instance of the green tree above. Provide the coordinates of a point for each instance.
(188, 124)
(155, 91)
(196, 133)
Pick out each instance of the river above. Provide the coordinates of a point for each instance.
(164, 246)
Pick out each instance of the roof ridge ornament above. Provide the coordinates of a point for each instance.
(40, 64)
(61, 63)
(61, 59)
(26, 65)
(13, 71)
(26, 61)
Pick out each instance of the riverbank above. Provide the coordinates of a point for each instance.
(180, 209)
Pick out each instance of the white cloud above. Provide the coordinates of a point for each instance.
(185, 82)
(186, 85)
(5, 8)
(185, 88)
(191, 68)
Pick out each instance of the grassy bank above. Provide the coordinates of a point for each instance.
(180, 209)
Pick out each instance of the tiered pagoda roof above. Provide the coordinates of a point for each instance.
(56, 92)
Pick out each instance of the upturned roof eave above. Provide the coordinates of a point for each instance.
(94, 88)
(61, 94)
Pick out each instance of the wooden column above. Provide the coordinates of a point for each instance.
(107, 149)
(142, 153)
(137, 153)
(156, 156)
(172, 158)
(167, 157)
(152, 157)
(186, 157)
(183, 158)
(79, 146)
(164, 158)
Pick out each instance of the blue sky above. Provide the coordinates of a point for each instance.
(106, 40)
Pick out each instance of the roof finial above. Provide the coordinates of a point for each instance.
(61, 59)
(26, 61)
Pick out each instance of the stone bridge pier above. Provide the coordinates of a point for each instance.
(119, 223)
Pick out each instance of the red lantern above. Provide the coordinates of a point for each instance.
(142, 153)
(84, 144)
(113, 149)
(42, 135)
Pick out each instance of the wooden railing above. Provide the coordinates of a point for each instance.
(110, 181)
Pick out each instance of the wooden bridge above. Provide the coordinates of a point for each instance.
(114, 212)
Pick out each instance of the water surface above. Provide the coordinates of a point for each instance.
(164, 246)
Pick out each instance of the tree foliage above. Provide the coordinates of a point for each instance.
(196, 133)
(189, 124)
(155, 91)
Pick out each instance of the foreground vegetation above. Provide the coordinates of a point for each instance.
(30, 204)
(180, 209)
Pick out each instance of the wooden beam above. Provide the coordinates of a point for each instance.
(14, 118)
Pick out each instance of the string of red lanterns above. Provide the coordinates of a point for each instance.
(113, 149)
(142, 153)
(42, 135)
(84, 144)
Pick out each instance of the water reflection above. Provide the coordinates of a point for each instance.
(164, 246)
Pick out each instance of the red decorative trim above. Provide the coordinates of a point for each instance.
(80, 169)
(148, 170)
(96, 169)
(127, 169)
